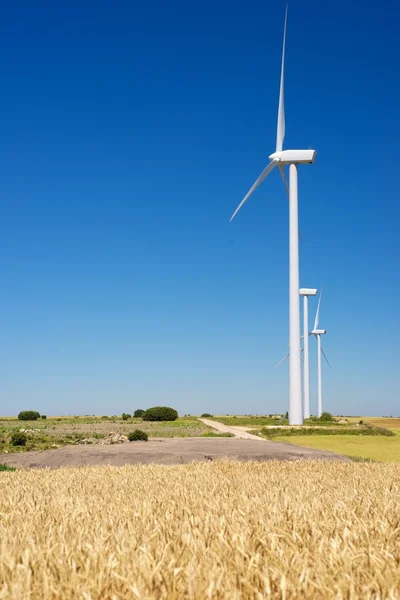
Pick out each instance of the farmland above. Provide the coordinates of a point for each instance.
(348, 438)
(381, 449)
(205, 530)
(376, 448)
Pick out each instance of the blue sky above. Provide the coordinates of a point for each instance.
(129, 133)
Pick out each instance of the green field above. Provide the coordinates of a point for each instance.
(377, 448)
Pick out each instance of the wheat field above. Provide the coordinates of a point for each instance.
(206, 530)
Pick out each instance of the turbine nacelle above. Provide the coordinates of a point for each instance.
(308, 291)
(288, 157)
(318, 331)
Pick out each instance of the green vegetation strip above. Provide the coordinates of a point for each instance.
(253, 421)
(219, 435)
(311, 431)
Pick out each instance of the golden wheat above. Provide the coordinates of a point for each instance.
(207, 530)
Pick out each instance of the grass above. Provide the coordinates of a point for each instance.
(6, 468)
(383, 449)
(206, 530)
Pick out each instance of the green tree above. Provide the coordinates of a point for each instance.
(29, 415)
(160, 413)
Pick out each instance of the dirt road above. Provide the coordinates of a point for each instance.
(167, 451)
(238, 432)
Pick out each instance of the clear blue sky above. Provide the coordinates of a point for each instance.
(129, 133)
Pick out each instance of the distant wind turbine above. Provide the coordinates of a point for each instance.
(280, 158)
(318, 332)
(305, 292)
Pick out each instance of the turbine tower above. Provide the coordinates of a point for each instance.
(320, 351)
(305, 292)
(279, 159)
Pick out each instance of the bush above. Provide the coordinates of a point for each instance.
(138, 413)
(326, 417)
(205, 415)
(160, 413)
(43, 416)
(19, 438)
(138, 436)
(361, 422)
(29, 415)
(125, 416)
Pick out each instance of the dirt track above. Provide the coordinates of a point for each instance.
(167, 451)
(238, 432)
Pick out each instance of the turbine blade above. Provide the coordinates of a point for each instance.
(322, 350)
(283, 360)
(280, 131)
(255, 185)
(285, 183)
(317, 313)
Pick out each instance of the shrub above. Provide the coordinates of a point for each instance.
(205, 415)
(160, 413)
(29, 415)
(138, 413)
(138, 435)
(6, 468)
(382, 431)
(326, 416)
(43, 416)
(125, 416)
(361, 422)
(19, 438)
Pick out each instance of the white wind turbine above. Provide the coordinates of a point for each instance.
(292, 158)
(305, 292)
(318, 332)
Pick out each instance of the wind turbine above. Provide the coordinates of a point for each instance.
(305, 292)
(318, 332)
(293, 158)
